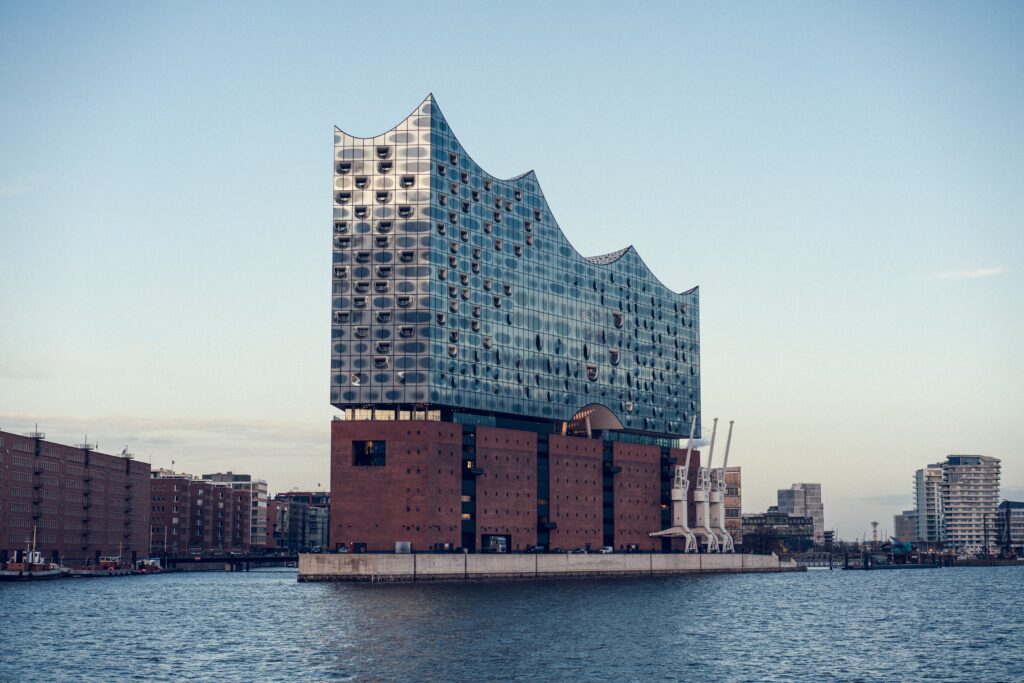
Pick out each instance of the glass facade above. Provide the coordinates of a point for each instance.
(456, 290)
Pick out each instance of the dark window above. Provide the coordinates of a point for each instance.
(369, 453)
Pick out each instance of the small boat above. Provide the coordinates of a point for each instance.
(31, 567)
(149, 565)
(105, 566)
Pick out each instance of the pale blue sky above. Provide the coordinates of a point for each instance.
(845, 182)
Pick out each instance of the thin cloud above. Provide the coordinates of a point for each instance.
(14, 190)
(975, 274)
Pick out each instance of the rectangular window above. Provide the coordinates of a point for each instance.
(369, 453)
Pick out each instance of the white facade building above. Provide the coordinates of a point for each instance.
(928, 503)
(970, 497)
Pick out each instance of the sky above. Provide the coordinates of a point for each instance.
(844, 181)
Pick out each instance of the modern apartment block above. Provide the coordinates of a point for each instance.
(193, 515)
(1010, 527)
(970, 497)
(257, 490)
(498, 389)
(805, 500)
(78, 503)
(928, 504)
(734, 503)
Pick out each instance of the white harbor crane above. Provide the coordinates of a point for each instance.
(680, 499)
(702, 498)
(717, 495)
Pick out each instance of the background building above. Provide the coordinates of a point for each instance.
(80, 503)
(805, 500)
(777, 532)
(499, 390)
(928, 504)
(304, 520)
(206, 515)
(905, 526)
(970, 496)
(257, 490)
(1010, 527)
(734, 503)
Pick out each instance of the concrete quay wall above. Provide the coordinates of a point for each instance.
(413, 567)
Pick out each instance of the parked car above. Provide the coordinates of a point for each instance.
(606, 550)
(579, 551)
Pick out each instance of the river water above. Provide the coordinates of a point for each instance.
(954, 624)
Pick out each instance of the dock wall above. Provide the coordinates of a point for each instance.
(412, 567)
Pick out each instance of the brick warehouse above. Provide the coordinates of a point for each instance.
(435, 483)
(81, 504)
(498, 389)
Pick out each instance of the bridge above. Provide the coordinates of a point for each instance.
(235, 563)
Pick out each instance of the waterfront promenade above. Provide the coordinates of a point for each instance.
(475, 567)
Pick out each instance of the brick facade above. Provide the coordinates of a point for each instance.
(413, 496)
(637, 492)
(82, 504)
(506, 492)
(576, 498)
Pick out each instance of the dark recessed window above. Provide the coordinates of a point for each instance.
(381, 287)
(384, 166)
(498, 244)
(453, 261)
(341, 272)
(383, 271)
(362, 331)
(518, 249)
(488, 342)
(442, 200)
(464, 234)
(407, 256)
(383, 151)
(487, 284)
(488, 227)
(340, 227)
(359, 301)
(382, 241)
(383, 346)
(519, 195)
(508, 289)
(464, 177)
(341, 316)
(453, 218)
(440, 169)
(453, 350)
(474, 325)
(453, 336)
(342, 242)
(383, 197)
(487, 185)
(343, 197)
(362, 287)
(362, 212)
(407, 181)
(369, 453)
(475, 267)
(361, 182)
(476, 195)
(344, 167)
(362, 257)
(476, 311)
(464, 278)
(404, 301)
(453, 158)
(380, 362)
(406, 331)
(404, 211)
(383, 316)
(384, 226)
(441, 229)
(442, 273)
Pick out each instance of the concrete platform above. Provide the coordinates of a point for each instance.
(387, 568)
